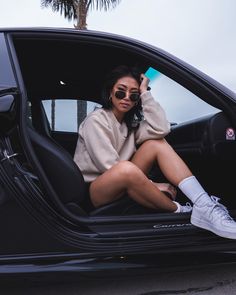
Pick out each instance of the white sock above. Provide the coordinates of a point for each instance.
(178, 207)
(194, 191)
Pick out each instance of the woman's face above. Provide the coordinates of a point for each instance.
(129, 86)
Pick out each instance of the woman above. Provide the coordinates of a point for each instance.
(111, 163)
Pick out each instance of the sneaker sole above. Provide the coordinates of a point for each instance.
(208, 226)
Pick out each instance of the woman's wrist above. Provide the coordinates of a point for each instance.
(144, 92)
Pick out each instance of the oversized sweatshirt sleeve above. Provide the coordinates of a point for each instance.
(97, 136)
(155, 124)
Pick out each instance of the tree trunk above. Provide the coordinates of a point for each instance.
(81, 14)
(81, 111)
(53, 105)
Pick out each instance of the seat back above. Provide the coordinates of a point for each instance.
(60, 169)
(39, 118)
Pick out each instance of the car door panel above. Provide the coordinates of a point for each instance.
(208, 146)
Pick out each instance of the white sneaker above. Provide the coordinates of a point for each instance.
(183, 208)
(214, 217)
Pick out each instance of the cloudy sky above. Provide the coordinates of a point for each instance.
(201, 32)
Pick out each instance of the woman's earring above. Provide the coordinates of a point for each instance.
(110, 101)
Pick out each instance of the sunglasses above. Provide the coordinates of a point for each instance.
(120, 94)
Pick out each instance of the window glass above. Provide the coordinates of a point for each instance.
(67, 114)
(179, 103)
(7, 78)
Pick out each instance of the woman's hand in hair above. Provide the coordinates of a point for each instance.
(144, 83)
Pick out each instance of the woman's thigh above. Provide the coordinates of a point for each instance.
(111, 185)
(146, 154)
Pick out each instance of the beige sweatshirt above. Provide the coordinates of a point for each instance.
(103, 141)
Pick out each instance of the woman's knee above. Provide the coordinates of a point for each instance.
(152, 144)
(128, 171)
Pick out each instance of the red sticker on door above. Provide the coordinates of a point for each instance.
(230, 134)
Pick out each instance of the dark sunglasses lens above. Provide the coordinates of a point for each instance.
(134, 96)
(120, 94)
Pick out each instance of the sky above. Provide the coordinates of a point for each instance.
(200, 32)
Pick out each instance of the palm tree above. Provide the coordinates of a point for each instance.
(78, 10)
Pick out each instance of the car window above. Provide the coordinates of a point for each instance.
(67, 114)
(180, 104)
(7, 78)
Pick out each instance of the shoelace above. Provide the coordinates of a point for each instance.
(220, 209)
(189, 206)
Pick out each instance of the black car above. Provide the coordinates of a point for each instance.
(49, 80)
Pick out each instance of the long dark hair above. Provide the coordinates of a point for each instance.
(134, 116)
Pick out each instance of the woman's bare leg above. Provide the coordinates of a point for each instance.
(125, 177)
(171, 165)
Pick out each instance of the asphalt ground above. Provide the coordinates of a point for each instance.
(214, 279)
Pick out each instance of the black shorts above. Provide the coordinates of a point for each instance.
(87, 203)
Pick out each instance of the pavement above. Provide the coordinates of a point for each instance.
(215, 279)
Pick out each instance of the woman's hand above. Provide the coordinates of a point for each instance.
(144, 83)
(167, 188)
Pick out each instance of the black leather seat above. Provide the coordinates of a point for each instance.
(39, 118)
(67, 179)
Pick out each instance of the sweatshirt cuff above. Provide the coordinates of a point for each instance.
(146, 96)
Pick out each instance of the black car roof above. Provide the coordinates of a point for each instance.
(124, 50)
